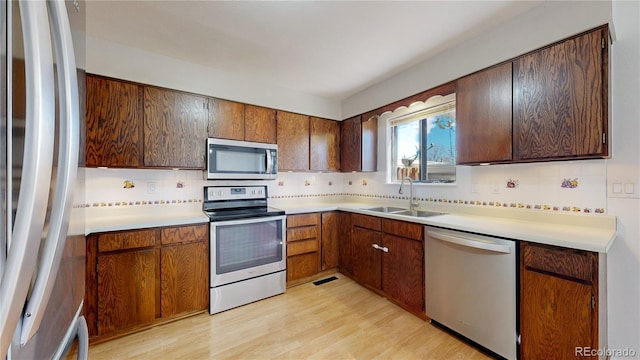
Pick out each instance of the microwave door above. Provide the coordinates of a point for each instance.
(232, 161)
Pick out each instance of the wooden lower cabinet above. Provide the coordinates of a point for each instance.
(345, 244)
(303, 246)
(403, 264)
(388, 256)
(138, 278)
(126, 289)
(330, 238)
(312, 245)
(184, 270)
(558, 301)
(366, 259)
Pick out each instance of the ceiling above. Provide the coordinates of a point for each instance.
(331, 49)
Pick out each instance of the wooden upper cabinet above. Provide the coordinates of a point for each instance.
(369, 143)
(226, 119)
(560, 99)
(324, 141)
(114, 115)
(358, 143)
(351, 144)
(175, 129)
(293, 141)
(484, 116)
(260, 124)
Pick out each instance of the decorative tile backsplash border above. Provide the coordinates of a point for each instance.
(576, 209)
(568, 187)
(143, 203)
(565, 208)
(512, 205)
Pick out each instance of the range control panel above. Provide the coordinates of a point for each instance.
(221, 193)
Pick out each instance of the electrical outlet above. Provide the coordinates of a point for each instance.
(152, 187)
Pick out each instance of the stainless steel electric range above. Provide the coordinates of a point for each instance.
(247, 244)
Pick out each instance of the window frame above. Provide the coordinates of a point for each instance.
(390, 122)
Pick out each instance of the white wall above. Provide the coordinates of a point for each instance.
(624, 257)
(547, 23)
(123, 62)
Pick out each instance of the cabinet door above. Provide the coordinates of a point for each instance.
(175, 129)
(351, 144)
(293, 141)
(558, 301)
(366, 259)
(324, 144)
(370, 143)
(555, 317)
(184, 274)
(483, 116)
(260, 124)
(345, 256)
(114, 113)
(126, 289)
(226, 119)
(403, 271)
(330, 238)
(559, 99)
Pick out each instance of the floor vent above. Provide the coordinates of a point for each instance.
(320, 282)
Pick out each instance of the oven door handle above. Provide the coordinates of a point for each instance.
(249, 220)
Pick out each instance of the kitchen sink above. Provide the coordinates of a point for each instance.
(418, 213)
(404, 211)
(387, 209)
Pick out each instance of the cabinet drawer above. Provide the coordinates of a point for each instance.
(303, 220)
(403, 228)
(302, 233)
(185, 234)
(573, 264)
(366, 221)
(302, 266)
(124, 240)
(302, 247)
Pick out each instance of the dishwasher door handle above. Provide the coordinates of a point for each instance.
(470, 242)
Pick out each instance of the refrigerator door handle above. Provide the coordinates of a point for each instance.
(67, 171)
(31, 211)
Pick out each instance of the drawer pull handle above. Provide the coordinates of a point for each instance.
(382, 248)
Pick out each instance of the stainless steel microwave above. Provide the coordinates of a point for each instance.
(232, 159)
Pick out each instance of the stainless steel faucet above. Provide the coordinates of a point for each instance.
(412, 204)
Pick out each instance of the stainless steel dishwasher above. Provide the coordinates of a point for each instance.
(470, 283)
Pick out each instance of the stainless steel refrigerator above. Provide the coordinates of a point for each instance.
(42, 243)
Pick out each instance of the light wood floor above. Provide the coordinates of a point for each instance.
(335, 320)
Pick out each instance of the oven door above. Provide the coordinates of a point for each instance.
(247, 248)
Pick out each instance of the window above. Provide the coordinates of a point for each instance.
(423, 141)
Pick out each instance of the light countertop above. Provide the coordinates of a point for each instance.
(139, 217)
(591, 232)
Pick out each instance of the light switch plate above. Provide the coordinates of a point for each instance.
(623, 188)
